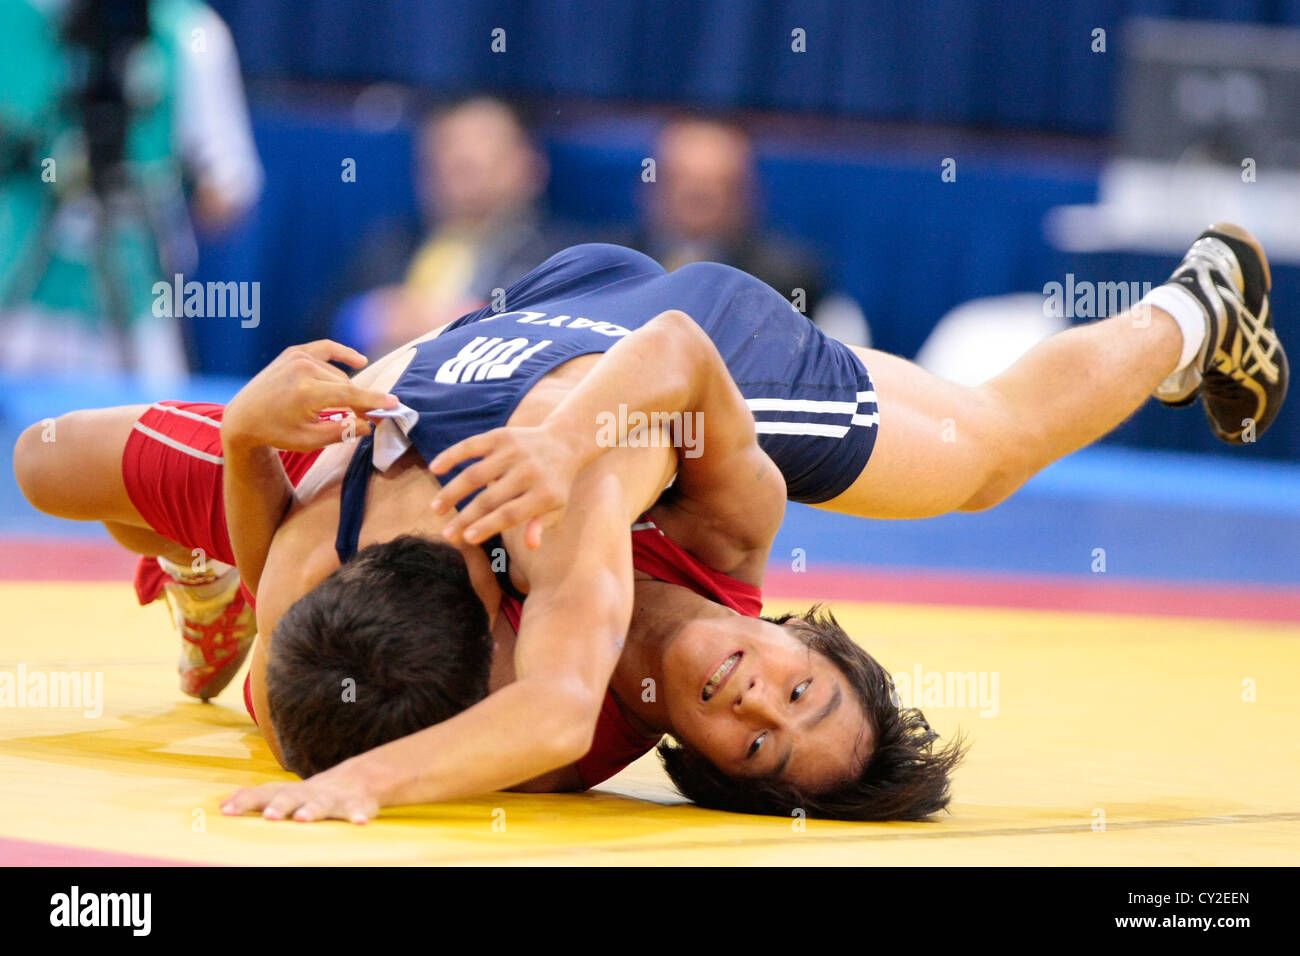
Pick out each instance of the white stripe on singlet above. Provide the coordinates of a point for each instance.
(801, 428)
(814, 407)
(800, 405)
(173, 443)
(170, 410)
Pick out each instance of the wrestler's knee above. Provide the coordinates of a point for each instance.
(33, 461)
(1005, 452)
(70, 466)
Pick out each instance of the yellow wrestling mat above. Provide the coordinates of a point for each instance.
(1107, 740)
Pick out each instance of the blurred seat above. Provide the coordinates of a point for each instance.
(983, 337)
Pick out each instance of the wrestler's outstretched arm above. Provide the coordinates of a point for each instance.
(570, 638)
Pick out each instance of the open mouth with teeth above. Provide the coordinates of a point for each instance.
(719, 676)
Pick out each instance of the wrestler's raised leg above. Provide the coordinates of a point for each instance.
(1207, 332)
(72, 467)
(945, 447)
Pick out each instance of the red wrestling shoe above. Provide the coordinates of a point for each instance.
(216, 624)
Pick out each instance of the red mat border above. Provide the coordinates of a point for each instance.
(34, 853)
(1096, 595)
(44, 559)
(55, 559)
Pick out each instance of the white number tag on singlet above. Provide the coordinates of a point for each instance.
(487, 358)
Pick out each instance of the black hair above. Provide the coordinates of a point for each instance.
(394, 641)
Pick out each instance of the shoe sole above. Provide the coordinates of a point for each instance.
(1237, 232)
(1232, 229)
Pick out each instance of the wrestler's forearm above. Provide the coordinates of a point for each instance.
(573, 627)
(257, 495)
(668, 366)
(657, 388)
(662, 368)
(727, 485)
(519, 732)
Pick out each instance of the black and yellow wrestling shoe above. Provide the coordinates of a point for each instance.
(1241, 373)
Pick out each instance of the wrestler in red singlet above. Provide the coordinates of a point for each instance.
(172, 470)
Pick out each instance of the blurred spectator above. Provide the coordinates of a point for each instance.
(478, 180)
(703, 208)
(105, 105)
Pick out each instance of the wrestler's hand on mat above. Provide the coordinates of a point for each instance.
(281, 406)
(335, 794)
(525, 474)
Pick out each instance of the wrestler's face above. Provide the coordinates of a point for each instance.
(757, 701)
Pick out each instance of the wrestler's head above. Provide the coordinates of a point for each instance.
(394, 641)
(790, 714)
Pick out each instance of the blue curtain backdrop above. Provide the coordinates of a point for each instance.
(907, 245)
(1016, 63)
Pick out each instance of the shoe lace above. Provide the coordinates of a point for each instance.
(1259, 345)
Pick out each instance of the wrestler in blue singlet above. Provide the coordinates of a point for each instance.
(813, 402)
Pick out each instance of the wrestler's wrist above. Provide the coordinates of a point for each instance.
(239, 434)
(235, 435)
(580, 446)
(375, 777)
(237, 442)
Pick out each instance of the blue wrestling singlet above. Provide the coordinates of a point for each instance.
(813, 402)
